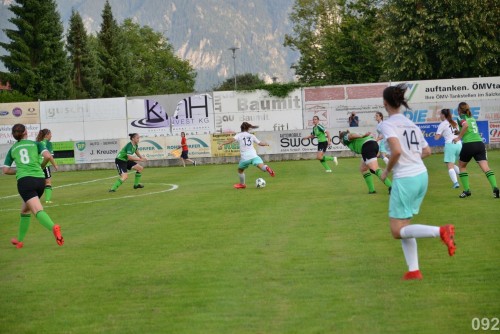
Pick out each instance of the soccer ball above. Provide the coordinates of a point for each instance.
(260, 183)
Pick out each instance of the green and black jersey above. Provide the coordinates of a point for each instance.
(127, 150)
(355, 144)
(26, 154)
(472, 133)
(319, 132)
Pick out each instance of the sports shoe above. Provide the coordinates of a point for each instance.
(496, 193)
(15, 242)
(194, 163)
(465, 193)
(240, 186)
(328, 170)
(447, 233)
(335, 161)
(138, 186)
(456, 185)
(372, 192)
(270, 171)
(111, 190)
(411, 275)
(57, 233)
(48, 202)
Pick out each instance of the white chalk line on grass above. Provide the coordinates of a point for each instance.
(113, 198)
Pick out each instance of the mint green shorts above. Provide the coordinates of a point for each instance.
(452, 152)
(407, 194)
(255, 161)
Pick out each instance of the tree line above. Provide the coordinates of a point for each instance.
(120, 60)
(339, 42)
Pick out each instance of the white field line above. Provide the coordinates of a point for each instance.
(113, 198)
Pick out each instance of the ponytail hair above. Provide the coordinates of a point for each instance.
(463, 108)
(18, 131)
(132, 135)
(447, 114)
(380, 115)
(41, 134)
(395, 96)
(247, 126)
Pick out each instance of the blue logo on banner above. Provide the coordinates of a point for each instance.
(429, 131)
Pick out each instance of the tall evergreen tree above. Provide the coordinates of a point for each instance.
(85, 72)
(36, 58)
(112, 55)
(152, 66)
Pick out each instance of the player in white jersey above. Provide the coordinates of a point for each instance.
(407, 147)
(382, 151)
(448, 129)
(248, 154)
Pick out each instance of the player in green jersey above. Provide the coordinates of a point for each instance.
(368, 148)
(44, 136)
(30, 182)
(472, 147)
(324, 140)
(126, 160)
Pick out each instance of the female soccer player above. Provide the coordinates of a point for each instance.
(30, 182)
(368, 148)
(379, 118)
(472, 147)
(448, 129)
(126, 160)
(248, 154)
(407, 147)
(185, 150)
(324, 140)
(44, 136)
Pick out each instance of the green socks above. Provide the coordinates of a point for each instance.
(24, 225)
(137, 178)
(369, 182)
(48, 193)
(387, 182)
(464, 179)
(490, 175)
(45, 220)
(117, 184)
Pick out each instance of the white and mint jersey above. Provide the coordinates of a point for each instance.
(412, 143)
(446, 130)
(246, 141)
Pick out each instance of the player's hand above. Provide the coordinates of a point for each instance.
(384, 175)
(56, 167)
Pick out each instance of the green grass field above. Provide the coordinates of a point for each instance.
(310, 253)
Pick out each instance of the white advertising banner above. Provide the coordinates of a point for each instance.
(94, 151)
(454, 90)
(198, 146)
(19, 112)
(6, 133)
(333, 105)
(257, 108)
(153, 148)
(147, 118)
(194, 115)
(68, 111)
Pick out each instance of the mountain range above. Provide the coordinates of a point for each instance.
(201, 31)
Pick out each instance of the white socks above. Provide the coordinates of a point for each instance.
(386, 160)
(242, 178)
(411, 253)
(419, 231)
(453, 174)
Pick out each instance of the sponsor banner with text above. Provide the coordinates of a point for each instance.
(95, 151)
(147, 118)
(270, 113)
(429, 131)
(6, 133)
(194, 115)
(19, 112)
(198, 146)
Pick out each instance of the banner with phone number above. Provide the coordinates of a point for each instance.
(429, 131)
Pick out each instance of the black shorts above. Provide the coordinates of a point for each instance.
(475, 150)
(124, 166)
(29, 187)
(47, 172)
(369, 150)
(184, 155)
(322, 146)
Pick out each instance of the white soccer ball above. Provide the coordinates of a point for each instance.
(260, 183)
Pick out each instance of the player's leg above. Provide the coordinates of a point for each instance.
(48, 185)
(367, 176)
(138, 174)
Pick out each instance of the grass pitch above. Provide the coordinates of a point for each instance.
(310, 253)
